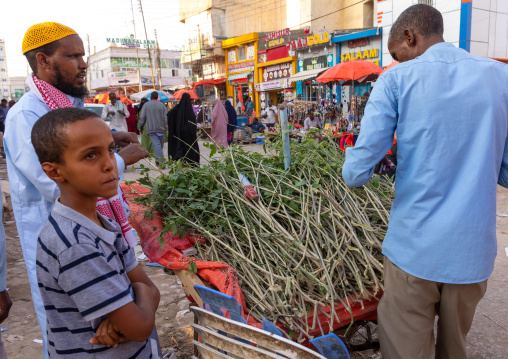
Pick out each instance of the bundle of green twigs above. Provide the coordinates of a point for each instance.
(308, 241)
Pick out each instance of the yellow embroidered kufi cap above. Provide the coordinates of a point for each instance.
(45, 33)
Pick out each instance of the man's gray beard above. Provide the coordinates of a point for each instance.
(67, 88)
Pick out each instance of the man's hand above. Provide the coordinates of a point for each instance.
(123, 139)
(132, 153)
(111, 113)
(5, 305)
(384, 167)
(107, 334)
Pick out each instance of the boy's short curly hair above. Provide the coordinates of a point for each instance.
(48, 133)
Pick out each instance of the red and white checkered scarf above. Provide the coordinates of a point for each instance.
(108, 207)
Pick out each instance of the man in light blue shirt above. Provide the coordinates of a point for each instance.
(450, 112)
(58, 77)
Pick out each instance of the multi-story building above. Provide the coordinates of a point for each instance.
(208, 22)
(124, 69)
(478, 26)
(4, 75)
(17, 87)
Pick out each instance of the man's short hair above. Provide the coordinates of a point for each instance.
(3, 100)
(48, 134)
(48, 50)
(154, 95)
(112, 94)
(423, 19)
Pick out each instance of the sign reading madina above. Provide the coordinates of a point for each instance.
(132, 42)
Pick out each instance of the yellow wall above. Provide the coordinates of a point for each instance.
(235, 42)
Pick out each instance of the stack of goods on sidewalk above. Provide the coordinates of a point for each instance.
(305, 242)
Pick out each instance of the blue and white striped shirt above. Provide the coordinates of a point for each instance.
(82, 273)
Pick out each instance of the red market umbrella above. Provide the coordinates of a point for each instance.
(351, 70)
(192, 93)
(393, 64)
(104, 98)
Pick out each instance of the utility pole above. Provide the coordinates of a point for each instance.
(88, 79)
(140, 87)
(158, 51)
(147, 43)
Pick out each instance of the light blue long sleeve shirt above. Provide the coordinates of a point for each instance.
(450, 112)
(33, 194)
(3, 258)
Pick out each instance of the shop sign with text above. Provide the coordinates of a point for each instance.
(319, 62)
(131, 42)
(312, 40)
(240, 67)
(274, 72)
(358, 43)
(123, 78)
(370, 55)
(273, 85)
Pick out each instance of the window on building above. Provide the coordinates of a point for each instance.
(426, 2)
(176, 63)
(174, 73)
(241, 53)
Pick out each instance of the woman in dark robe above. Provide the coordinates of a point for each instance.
(231, 120)
(182, 131)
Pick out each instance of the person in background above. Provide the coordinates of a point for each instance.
(255, 128)
(195, 106)
(132, 120)
(220, 124)
(99, 302)
(3, 114)
(182, 133)
(11, 104)
(153, 117)
(311, 121)
(116, 112)
(441, 242)
(55, 54)
(232, 120)
(249, 106)
(269, 114)
(146, 142)
(238, 107)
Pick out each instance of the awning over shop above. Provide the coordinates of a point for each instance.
(308, 74)
(208, 82)
(241, 75)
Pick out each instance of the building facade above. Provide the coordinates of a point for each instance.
(123, 69)
(17, 87)
(478, 26)
(208, 22)
(4, 74)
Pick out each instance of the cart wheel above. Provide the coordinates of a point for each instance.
(362, 335)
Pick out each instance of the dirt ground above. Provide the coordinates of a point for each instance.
(487, 338)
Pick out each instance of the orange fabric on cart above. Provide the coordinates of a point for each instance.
(219, 274)
(222, 276)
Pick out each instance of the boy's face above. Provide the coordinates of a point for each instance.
(89, 164)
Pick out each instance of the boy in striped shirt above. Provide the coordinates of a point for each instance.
(99, 303)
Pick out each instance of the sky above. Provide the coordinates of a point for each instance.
(97, 18)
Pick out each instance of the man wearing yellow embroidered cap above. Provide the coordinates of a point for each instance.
(55, 54)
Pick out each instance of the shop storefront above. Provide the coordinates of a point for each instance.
(366, 45)
(276, 64)
(315, 54)
(241, 59)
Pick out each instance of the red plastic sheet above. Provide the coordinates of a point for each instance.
(221, 275)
